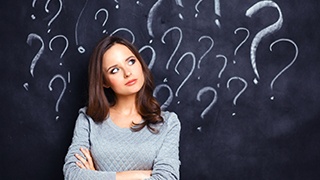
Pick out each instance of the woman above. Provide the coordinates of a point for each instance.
(122, 133)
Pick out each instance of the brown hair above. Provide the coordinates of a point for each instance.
(101, 99)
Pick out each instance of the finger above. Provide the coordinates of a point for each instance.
(83, 160)
(80, 164)
(88, 163)
(86, 153)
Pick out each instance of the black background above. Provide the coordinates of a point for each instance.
(267, 132)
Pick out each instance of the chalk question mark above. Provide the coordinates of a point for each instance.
(225, 61)
(139, 3)
(243, 41)
(33, 5)
(127, 30)
(30, 38)
(151, 15)
(214, 100)
(117, 6)
(196, 8)
(170, 97)
(81, 49)
(289, 65)
(263, 33)
(177, 46)
(217, 11)
(106, 17)
(208, 50)
(55, 16)
(153, 58)
(62, 92)
(191, 71)
(66, 42)
(240, 92)
(179, 3)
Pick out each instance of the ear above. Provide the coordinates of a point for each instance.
(105, 84)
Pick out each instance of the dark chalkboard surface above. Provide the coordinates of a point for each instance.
(243, 76)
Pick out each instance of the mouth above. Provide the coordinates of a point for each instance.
(131, 82)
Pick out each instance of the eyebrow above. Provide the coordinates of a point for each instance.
(117, 64)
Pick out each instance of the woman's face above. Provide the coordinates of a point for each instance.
(122, 71)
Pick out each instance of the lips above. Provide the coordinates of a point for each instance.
(131, 82)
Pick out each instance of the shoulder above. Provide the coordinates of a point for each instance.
(83, 110)
(85, 121)
(171, 119)
(82, 116)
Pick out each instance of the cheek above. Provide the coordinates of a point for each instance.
(139, 69)
(110, 81)
(113, 82)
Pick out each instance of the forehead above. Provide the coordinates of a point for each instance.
(117, 52)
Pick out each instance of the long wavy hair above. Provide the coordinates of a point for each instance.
(100, 99)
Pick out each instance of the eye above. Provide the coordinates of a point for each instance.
(114, 70)
(131, 61)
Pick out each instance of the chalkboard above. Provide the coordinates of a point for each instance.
(243, 77)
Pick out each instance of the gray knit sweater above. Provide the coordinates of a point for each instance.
(116, 149)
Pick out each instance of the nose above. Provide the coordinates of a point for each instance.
(127, 73)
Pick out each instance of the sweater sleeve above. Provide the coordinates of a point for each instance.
(167, 163)
(81, 138)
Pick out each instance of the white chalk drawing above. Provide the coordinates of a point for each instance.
(117, 6)
(290, 64)
(217, 11)
(152, 13)
(105, 19)
(66, 46)
(127, 30)
(208, 50)
(26, 86)
(177, 46)
(63, 90)
(191, 70)
(151, 17)
(81, 49)
(214, 99)
(241, 91)
(139, 3)
(225, 61)
(179, 3)
(69, 77)
(153, 58)
(167, 103)
(31, 37)
(55, 16)
(264, 32)
(243, 41)
(196, 8)
(33, 5)
(173, 38)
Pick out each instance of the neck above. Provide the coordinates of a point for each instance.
(126, 105)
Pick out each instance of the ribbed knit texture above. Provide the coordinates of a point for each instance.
(116, 149)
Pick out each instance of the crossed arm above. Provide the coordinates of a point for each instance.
(79, 163)
(87, 163)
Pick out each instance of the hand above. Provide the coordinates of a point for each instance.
(85, 163)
